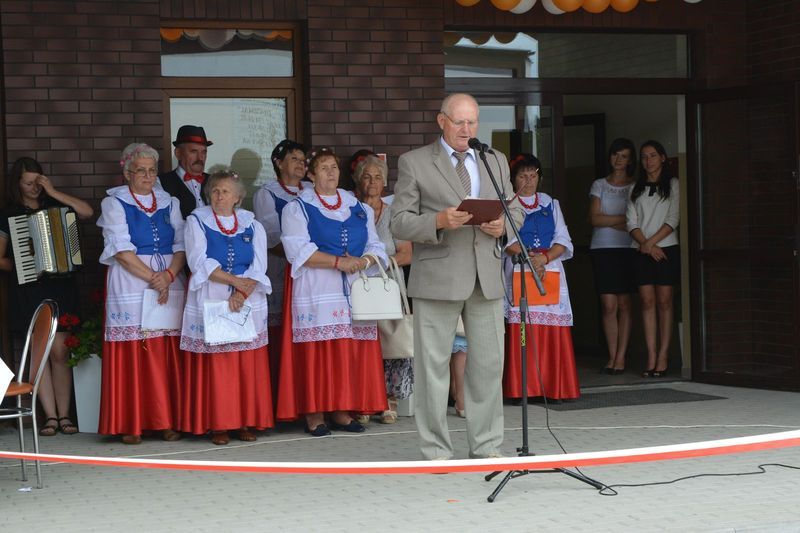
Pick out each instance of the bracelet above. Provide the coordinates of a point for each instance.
(171, 275)
(366, 258)
(336, 263)
(546, 258)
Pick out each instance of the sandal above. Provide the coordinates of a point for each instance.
(170, 435)
(67, 428)
(131, 439)
(220, 438)
(245, 435)
(47, 430)
(389, 417)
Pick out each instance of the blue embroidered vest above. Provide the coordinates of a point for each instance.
(233, 252)
(150, 234)
(280, 203)
(539, 228)
(334, 237)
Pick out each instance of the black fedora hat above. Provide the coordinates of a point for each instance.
(191, 134)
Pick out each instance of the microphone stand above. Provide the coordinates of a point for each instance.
(523, 258)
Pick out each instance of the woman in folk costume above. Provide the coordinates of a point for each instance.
(289, 162)
(227, 384)
(143, 236)
(549, 245)
(329, 363)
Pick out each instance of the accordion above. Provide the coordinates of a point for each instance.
(45, 242)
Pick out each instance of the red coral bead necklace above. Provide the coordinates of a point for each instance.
(222, 228)
(148, 210)
(326, 205)
(535, 203)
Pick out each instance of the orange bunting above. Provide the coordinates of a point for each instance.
(467, 3)
(171, 34)
(479, 38)
(505, 5)
(568, 5)
(624, 6)
(595, 6)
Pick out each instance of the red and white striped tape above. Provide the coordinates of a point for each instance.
(753, 443)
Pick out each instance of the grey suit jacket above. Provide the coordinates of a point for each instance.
(445, 263)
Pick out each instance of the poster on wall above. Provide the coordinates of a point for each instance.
(244, 132)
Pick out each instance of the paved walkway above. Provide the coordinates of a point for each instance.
(80, 498)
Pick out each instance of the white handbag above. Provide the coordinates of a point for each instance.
(376, 297)
(397, 336)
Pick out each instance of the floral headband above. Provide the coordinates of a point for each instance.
(319, 152)
(133, 154)
(354, 163)
(519, 160)
(284, 147)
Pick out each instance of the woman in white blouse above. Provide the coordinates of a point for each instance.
(289, 161)
(610, 251)
(226, 382)
(330, 364)
(549, 334)
(370, 178)
(652, 220)
(143, 235)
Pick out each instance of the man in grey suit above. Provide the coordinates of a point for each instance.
(455, 271)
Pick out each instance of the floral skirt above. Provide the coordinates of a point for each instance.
(399, 374)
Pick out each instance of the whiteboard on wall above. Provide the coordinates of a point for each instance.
(244, 132)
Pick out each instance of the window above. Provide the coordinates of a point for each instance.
(225, 52)
(243, 86)
(566, 55)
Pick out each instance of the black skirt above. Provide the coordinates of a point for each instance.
(614, 270)
(666, 272)
(24, 299)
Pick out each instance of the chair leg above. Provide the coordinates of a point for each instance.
(22, 449)
(36, 451)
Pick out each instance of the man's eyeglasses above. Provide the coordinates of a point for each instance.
(459, 123)
(144, 172)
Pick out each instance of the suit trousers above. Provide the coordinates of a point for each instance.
(434, 331)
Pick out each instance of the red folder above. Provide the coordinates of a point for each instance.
(482, 210)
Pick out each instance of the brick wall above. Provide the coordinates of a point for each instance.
(773, 53)
(716, 29)
(82, 81)
(376, 74)
(773, 57)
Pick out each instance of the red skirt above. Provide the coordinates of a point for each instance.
(556, 362)
(228, 390)
(274, 349)
(141, 387)
(327, 376)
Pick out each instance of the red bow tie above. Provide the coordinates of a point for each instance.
(198, 178)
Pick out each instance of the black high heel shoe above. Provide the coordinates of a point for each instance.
(658, 373)
(649, 373)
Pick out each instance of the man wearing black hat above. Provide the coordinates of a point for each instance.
(187, 182)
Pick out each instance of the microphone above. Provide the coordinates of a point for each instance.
(475, 144)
